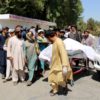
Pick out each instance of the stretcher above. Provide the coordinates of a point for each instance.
(78, 61)
(78, 52)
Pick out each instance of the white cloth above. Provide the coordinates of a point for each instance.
(46, 54)
(9, 65)
(88, 41)
(8, 69)
(18, 74)
(16, 51)
(71, 44)
(66, 34)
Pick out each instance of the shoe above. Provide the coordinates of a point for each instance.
(64, 90)
(43, 72)
(15, 83)
(23, 81)
(29, 83)
(53, 93)
(6, 80)
(3, 76)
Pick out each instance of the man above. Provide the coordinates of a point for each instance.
(41, 38)
(32, 29)
(3, 38)
(43, 43)
(60, 70)
(17, 55)
(87, 39)
(31, 48)
(67, 31)
(9, 65)
(74, 34)
(62, 33)
(57, 32)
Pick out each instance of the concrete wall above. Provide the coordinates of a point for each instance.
(13, 23)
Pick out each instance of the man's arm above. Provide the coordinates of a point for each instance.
(9, 47)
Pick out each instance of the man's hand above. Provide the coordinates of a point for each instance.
(25, 60)
(64, 70)
(10, 58)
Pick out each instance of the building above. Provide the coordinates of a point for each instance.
(12, 20)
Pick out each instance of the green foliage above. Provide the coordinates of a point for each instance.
(91, 24)
(63, 12)
(81, 24)
(74, 11)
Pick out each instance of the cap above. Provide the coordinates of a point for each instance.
(32, 30)
(11, 30)
(41, 30)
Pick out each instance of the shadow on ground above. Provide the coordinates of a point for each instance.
(96, 76)
(82, 74)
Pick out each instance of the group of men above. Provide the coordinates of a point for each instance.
(16, 53)
(85, 38)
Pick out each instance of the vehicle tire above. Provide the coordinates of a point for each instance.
(98, 72)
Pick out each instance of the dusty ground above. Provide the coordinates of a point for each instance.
(85, 88)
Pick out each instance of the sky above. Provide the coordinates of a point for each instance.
(91, 9)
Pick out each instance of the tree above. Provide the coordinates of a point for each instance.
(75, 10)
(91, 24)
(26, 8)
(81, 24)
(63, 12)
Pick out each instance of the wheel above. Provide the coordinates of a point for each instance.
(98, 72)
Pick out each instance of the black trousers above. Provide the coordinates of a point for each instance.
(3, 69)
(3, 57)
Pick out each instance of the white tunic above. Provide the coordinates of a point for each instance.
(16, 51)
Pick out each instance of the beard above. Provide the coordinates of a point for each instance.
(19, 36)
(86, 36)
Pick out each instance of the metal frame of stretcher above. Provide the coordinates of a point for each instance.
(78, 55)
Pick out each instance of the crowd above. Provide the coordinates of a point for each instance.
(20, 48)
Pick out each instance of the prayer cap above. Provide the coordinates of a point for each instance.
(11, 30)
(41, 30)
